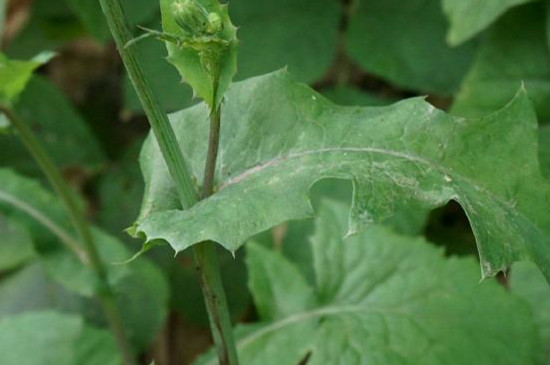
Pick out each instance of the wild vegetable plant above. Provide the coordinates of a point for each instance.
(246, 159)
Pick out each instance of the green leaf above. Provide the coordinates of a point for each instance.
(380, 298)
(14, 75)
(16, 244)
(209, 86)
(513, 52)
(300, 34)
(31, 289)
(279, 298)
(53, 338)
(140, 287)
(279, 137)
(469, 17)
(61, 130)
(527, 282)
(404, 43)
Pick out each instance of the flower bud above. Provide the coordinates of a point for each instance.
(191, 16)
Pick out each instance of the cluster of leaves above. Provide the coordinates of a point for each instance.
(382, 294)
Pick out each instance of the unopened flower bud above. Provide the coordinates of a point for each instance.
(191, 17)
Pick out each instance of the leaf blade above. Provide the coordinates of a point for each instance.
(275, 148)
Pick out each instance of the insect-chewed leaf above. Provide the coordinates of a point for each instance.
(207, 59)
(279, 137)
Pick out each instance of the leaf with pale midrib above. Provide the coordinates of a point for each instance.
(280, 137)
(140, 287)
(380, 298)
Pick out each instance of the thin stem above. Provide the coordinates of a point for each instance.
(205, 253)
(207, 262)
(212, 155)
(80, 224)
(160, 125)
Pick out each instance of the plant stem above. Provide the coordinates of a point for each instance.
(212, 155)
(104, 292)
(205, 254)
(160, 124)
(207, 262)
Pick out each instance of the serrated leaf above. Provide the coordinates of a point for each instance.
(404, 43)
(138, 286)
(14, 75)
(188, 61)
(514, 52)
(381, 298)
(280, 137)
(300, 34)
(469, 17)
(54, 338)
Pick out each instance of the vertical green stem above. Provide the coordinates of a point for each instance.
(207, 261)
(212, 155)
(157, 118)
(104, 292)
(205, 254)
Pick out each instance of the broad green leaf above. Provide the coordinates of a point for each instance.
(164, 80)
(404, 43)
(527, 282)
(280, 137)
(513, 52)
(51, 338)
(469, 17)
(140, 287)
(210, 86)
(380, 298)
(276, 299)
(16, 244)
(62, 131)
(31, 289)
(14, 75)
(300, 34)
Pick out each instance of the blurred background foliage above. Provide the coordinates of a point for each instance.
(355, 52)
